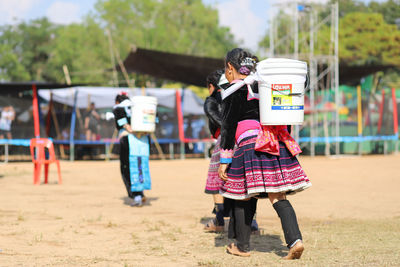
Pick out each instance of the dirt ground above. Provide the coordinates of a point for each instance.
(350, 216)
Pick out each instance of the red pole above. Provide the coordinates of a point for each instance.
(35, 109)
(381, 111)
(395, 122)
(179, 114)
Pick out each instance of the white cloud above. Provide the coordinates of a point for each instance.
(63, 12)
(15, 10)
(244, 24)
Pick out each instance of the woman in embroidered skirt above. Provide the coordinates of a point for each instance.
(263, 164)
(134, 152)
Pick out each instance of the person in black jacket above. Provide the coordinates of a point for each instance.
(212, 108)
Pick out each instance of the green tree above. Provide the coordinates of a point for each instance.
(84, 49)
(390, 9)
(365, 38)
(177, 26)
(26, 49)
(38, 49)
(283, 33)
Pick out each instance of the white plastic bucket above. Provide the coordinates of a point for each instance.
(143, 116)
(281, 90)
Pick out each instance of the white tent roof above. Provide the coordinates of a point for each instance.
(104, 97)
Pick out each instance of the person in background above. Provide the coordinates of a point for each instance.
(212, 108)
(263, 164)
(6, 118)
(134, 165)
(91, 123)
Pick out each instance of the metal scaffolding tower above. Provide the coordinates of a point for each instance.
(323, 68)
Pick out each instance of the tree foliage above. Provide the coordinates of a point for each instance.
(84, 49)
(364, 37)
(37, 50)
(177, 26)
(368, 39)
(25, 50)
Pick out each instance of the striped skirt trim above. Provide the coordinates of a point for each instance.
(253, 172)
(214, 183)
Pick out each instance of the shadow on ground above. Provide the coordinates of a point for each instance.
(128, 201)
(258, 242)
(261, 241)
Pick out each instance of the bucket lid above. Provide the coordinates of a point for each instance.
(283, 71)
(281, 63)
(279, 60)
(144, 99)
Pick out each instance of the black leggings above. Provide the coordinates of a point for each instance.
(240, 223)
(242, 216)
(124, 166)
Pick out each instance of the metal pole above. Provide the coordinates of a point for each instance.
(171, 151)
(72, 129)
(5, 152)
(296, 53)
(312, 85)
(336, 5)
(35, 111)
(296, 30)
(271, 35)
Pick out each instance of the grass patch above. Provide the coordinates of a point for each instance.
(110, 224)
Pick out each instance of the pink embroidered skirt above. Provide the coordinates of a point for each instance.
(252, 172)
(213, 183)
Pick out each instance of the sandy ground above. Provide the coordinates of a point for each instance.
(87, 221)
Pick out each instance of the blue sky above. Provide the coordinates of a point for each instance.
(247, 18)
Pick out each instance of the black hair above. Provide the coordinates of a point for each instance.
(120, 98)
(241, 60)
(213, 78)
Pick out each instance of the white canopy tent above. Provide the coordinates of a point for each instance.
(103, 97)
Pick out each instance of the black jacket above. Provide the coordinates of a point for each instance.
(122, 114)
(237, 107)
(212, 108)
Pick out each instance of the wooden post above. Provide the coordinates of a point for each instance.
(66, 75)
(59, 135)
(158, 147)
(48, 117)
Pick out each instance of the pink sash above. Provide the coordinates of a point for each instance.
(268, 140)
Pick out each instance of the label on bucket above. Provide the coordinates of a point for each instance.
(149, 116)
(281, 97)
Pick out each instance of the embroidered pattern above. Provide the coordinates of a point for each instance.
(247, 134)
(252, 173)
(268, 140)
(226, 153)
